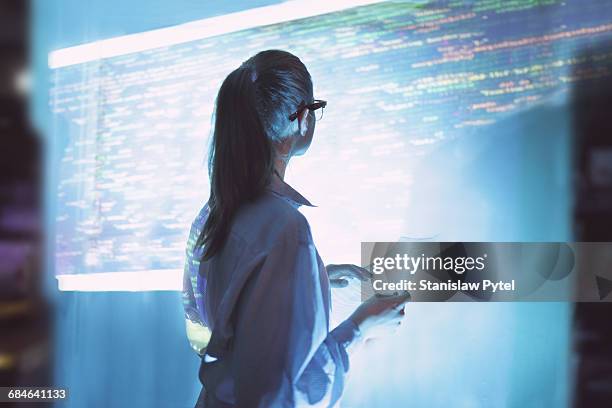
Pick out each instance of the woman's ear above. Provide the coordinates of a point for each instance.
(303, 123)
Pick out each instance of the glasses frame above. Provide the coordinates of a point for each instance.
(316, 104)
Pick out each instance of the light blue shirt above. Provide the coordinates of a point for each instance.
(266, 298)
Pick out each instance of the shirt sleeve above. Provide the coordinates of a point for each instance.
(283, 353)
(191, 297)
(196, 325)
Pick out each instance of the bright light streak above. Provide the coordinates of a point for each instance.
(138, 281)
(209, 27)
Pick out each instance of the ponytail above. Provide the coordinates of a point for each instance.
(240, 159)
(252, 110)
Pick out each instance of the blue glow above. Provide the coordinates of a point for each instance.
(445, 122)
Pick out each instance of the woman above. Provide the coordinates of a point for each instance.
(257, 295)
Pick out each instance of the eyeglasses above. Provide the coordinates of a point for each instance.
(316, 107)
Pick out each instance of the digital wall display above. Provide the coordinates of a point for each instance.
(402, 81)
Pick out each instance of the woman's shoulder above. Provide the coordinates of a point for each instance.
(270, 217)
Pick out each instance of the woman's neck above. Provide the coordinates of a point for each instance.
(279, 168)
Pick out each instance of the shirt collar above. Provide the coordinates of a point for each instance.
(279, 187)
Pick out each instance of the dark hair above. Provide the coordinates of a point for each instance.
(251, 114)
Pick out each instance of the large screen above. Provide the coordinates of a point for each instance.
(416, 92)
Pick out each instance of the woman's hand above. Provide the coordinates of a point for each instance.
(339, 275)
(380, 314)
